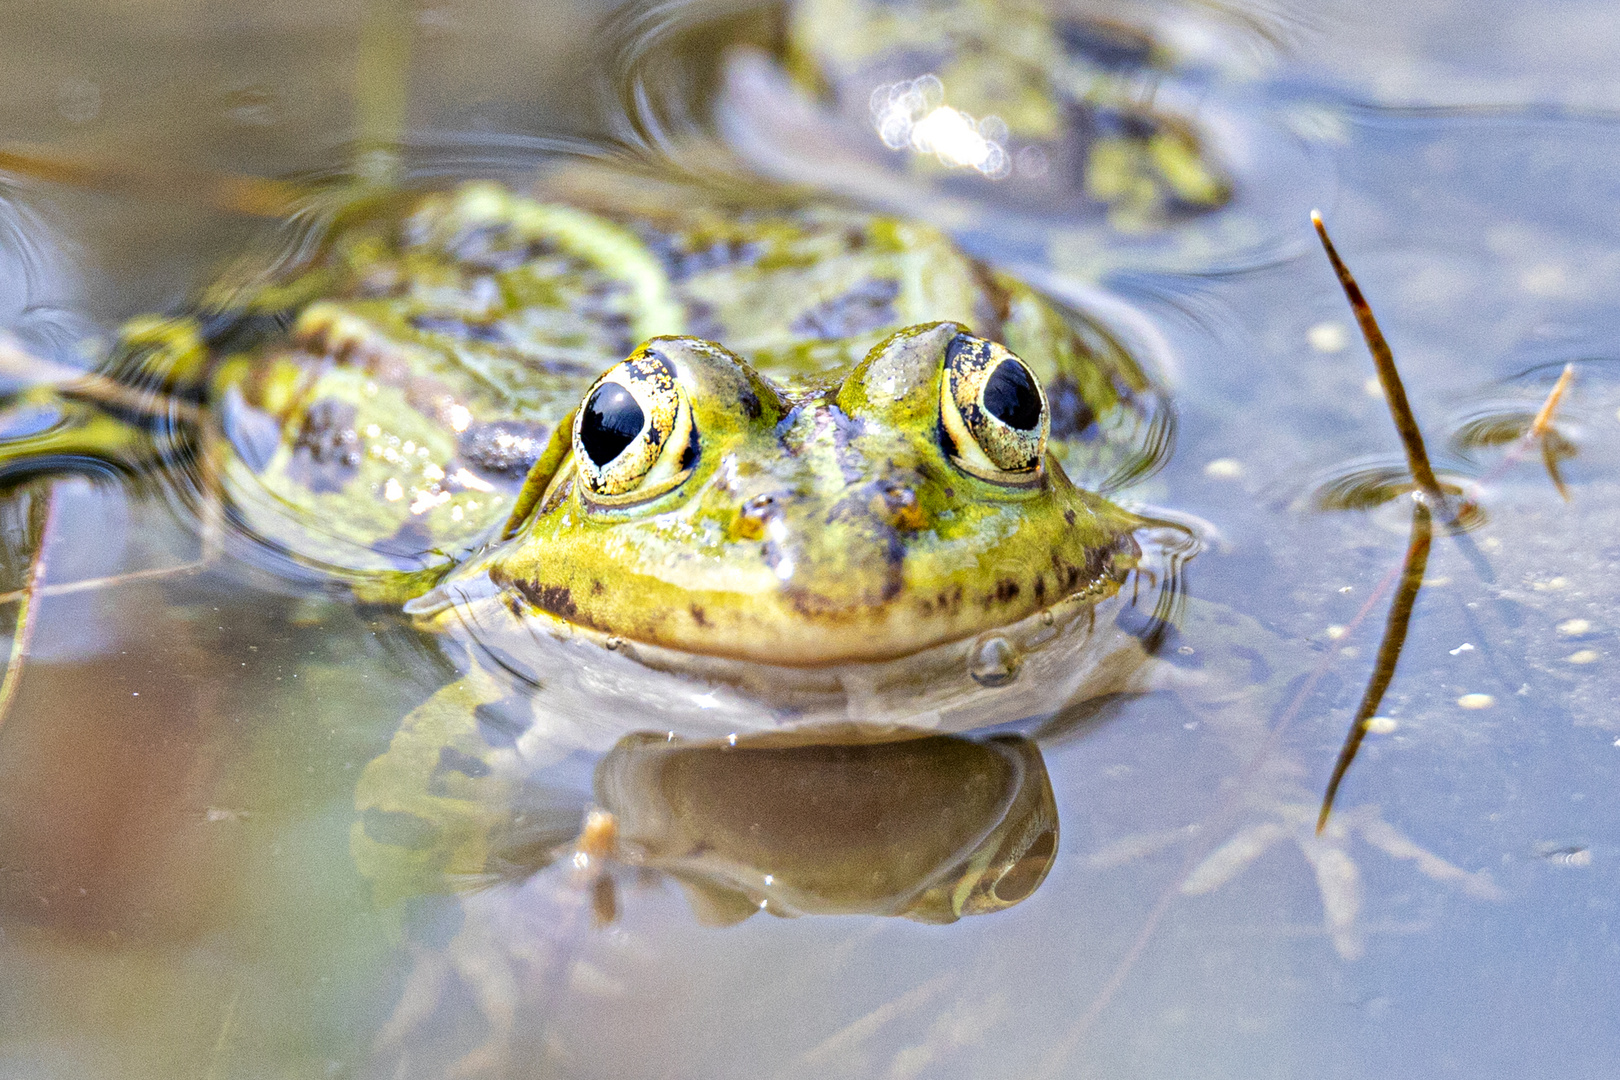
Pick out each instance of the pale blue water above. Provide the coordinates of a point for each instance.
(177, 897)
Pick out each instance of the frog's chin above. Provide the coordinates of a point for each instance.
(583, 687)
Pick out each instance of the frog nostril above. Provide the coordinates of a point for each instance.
(749, 524)
(611, 422)
(898, 503)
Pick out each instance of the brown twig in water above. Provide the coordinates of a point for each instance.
(1544, 415)
(1389, 653)
(1051, 1065)
(1389, 378)
(1542, 431)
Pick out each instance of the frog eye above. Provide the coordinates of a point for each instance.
(1025, 875)
(993, 412)
(1022, 865)
(633, 436)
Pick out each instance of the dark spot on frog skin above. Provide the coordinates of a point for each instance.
(703, 320)
(1068, 516)
(399, 829)
(452, 760)
(865, 307)
(1006, 591)
(1105, 44)
(505, 448)
(237, 331)
(326, 451)
(699, 616)
(556, 599)
(682, 262)
(1070, 415)
(410, 542)
(750, 403)
(253, 433)
(1069, 575)
(451, 326)
(1040, 588)
(488, 246)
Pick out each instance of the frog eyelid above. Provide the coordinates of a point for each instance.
(993, 414)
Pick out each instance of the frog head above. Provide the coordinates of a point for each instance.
(697, 507)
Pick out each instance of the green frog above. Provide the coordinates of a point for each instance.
(705, 463)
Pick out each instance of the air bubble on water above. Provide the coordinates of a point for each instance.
(994, 661)
(78, 100)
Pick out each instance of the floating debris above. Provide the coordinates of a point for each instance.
(1564, 854)
(1476, 701)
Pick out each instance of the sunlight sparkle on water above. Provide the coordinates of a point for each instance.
(914, 114)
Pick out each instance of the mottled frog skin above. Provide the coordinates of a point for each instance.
(830, 527)
(378, 412)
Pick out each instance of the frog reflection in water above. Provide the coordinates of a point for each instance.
(1060, 108)
(932, 828)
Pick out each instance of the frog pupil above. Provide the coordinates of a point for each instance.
(1010, 396)
(612, 421)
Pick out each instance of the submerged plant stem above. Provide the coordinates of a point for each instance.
(1389, 652)
(254, 196)
(27, 615)
(1400, 410)
(382, 71)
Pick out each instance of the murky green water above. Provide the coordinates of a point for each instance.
(177, 773)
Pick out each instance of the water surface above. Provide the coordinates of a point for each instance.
(177, 896)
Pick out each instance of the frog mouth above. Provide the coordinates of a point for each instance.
(588, 686)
